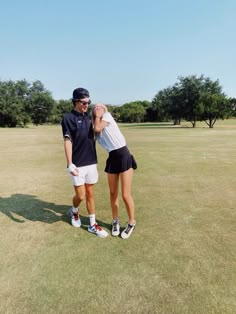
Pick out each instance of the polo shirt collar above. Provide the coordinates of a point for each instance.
(77, 113)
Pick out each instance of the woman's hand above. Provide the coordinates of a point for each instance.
(99, 110)
(98, 113)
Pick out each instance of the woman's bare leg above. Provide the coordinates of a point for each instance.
(113, 181)
(126, 184)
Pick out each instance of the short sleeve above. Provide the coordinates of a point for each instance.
(107, 117)
(65, 128)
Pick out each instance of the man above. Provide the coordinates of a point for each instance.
(80, 151)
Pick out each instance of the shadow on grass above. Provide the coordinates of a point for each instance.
(21, 207)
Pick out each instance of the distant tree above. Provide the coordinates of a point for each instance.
(161, 104)
(232, 104)
(14, 103)
(59, 108)
(114, 110)
(190, 88)
(41, 107)
(132, 112)
(215, 106)
(37, 87)
(192, 98)
(176, 104)
(151, 114)
(202, 99)
(22, 102)
(41, 103)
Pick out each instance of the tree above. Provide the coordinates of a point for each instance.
(13, 103)
(41, 103)
(168, 104)
(192, 98)
(59, 108)
(41, 107)
(132, 112)
(115, 111)
(176, 107)
(22, 102)
(215, 106)
(232, 104)
(161, 104)
(190, 88)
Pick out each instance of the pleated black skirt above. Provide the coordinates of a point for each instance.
(120, 160)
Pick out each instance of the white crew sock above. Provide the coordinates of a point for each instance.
(92, 219)
(75, 209)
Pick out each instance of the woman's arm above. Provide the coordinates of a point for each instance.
(99, 124)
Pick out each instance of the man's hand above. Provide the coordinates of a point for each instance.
(73, 170)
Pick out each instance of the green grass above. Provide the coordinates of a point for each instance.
(181, 257)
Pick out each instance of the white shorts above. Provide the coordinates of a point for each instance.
(87, 174)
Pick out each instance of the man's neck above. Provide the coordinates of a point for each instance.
(77, 110)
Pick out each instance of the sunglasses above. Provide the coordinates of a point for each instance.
(85, 102)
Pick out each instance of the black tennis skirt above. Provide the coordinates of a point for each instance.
(120, 160)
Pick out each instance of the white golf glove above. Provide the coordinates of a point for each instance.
(72, 167)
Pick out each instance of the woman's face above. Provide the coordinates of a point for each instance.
(99, 108)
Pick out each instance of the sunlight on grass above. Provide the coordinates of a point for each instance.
(181, 257)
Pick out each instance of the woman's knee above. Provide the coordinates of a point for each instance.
(126, 197)
(113, 194)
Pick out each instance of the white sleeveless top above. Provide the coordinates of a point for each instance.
(110, 138)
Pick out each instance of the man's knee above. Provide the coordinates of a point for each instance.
(89, 191)
(79, 193)
(80, 197)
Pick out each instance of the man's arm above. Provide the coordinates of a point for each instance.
(68, 152)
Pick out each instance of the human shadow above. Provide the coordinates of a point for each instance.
(22, 207)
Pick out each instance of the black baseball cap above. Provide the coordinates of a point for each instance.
(80, 93)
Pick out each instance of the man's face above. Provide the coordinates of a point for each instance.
(81, 105)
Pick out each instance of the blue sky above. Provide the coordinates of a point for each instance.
(121, 50)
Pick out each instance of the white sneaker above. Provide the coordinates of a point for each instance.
(98, 231)
(75, 220)
(126, 233)
(115, 228)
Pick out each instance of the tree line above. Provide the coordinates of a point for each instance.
(191, 99)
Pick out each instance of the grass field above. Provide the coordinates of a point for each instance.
(181, 257)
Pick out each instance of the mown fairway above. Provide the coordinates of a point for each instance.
(181, 257)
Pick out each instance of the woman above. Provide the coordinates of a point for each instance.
(119, 165)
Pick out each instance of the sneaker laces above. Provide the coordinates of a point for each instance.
(115, 225)
(97, 227)
(76, 215)
(128, 228)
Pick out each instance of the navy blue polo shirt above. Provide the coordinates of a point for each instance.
(78, 127)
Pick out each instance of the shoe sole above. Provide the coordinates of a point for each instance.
(98, 235)
(115, 234)
(76, 226)
(102, 236)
